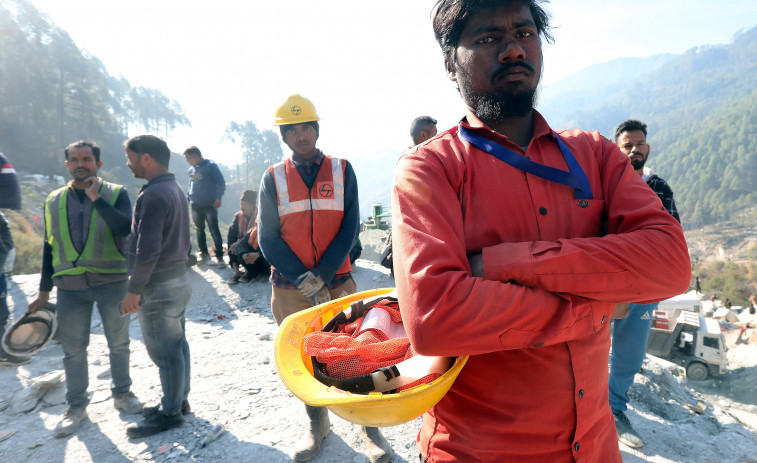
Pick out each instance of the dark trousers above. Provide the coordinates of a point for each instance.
(260, 267)
(200, 215)
(4, 312)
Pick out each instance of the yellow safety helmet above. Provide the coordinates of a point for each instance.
(295, 369)
(296, 110)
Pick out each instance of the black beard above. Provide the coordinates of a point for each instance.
(495, 107)
(638, 164)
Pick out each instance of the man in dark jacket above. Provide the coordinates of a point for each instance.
(6, 244)
(242, 241)
(159, 288)
(630, 334)
(206, 188)
(10, 198)
(10, 191)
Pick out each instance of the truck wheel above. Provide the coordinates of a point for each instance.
(697, 371)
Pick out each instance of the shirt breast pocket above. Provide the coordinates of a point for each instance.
(587, 218)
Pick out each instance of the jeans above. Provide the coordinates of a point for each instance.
(629, 346)
(4, 313)
(210, 214)
(162, 320)
(74, 314)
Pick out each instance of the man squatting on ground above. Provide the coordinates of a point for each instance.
(242, 241)
(308, 221)
(507, 264)
(630, 334)
(159, 288)
(86, 223)
(206, 188)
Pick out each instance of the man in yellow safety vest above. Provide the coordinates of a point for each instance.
(86, 223)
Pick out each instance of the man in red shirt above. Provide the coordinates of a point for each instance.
(513, 246)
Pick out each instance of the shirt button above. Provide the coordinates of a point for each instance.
(543, 211)
(581, 394)
(577, 446)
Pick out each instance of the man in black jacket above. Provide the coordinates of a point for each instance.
(159, 288)
(630, 334)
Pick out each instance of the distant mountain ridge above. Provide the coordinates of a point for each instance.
(701, 109)
(597, 83)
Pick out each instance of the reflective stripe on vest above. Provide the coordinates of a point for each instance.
(100, 253)
(300, 208)
(324, 203)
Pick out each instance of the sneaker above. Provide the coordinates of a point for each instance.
(128, 403)
(153, 424)
(12, 360)
(220, 263)
(185, 409)
(203, 259)
(191, 260)
(71, 421)
(626, 433)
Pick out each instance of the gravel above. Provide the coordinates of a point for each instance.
(234, 384)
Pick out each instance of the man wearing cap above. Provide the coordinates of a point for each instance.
(86, 223)
(308, 222)
(514, 245)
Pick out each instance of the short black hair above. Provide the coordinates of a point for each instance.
(449, 18)
(419, 124)
(194, 151)
(84, 144)
(284, 128)
(629, 126)
(151, 145)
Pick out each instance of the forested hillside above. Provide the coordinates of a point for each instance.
(712, 163)
(700, 108)
(52, 93)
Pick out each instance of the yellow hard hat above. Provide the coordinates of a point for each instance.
(295, 369)
(296, 110)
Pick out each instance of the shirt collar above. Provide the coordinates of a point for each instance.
(317, 159)
(160, 178)
(541, 127)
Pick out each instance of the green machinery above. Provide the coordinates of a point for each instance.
(375, 222)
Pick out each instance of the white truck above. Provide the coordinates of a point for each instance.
(690, 340)
(676, 304)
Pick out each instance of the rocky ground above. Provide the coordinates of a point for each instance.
(234, 383)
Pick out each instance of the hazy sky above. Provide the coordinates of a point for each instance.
(369, 67)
